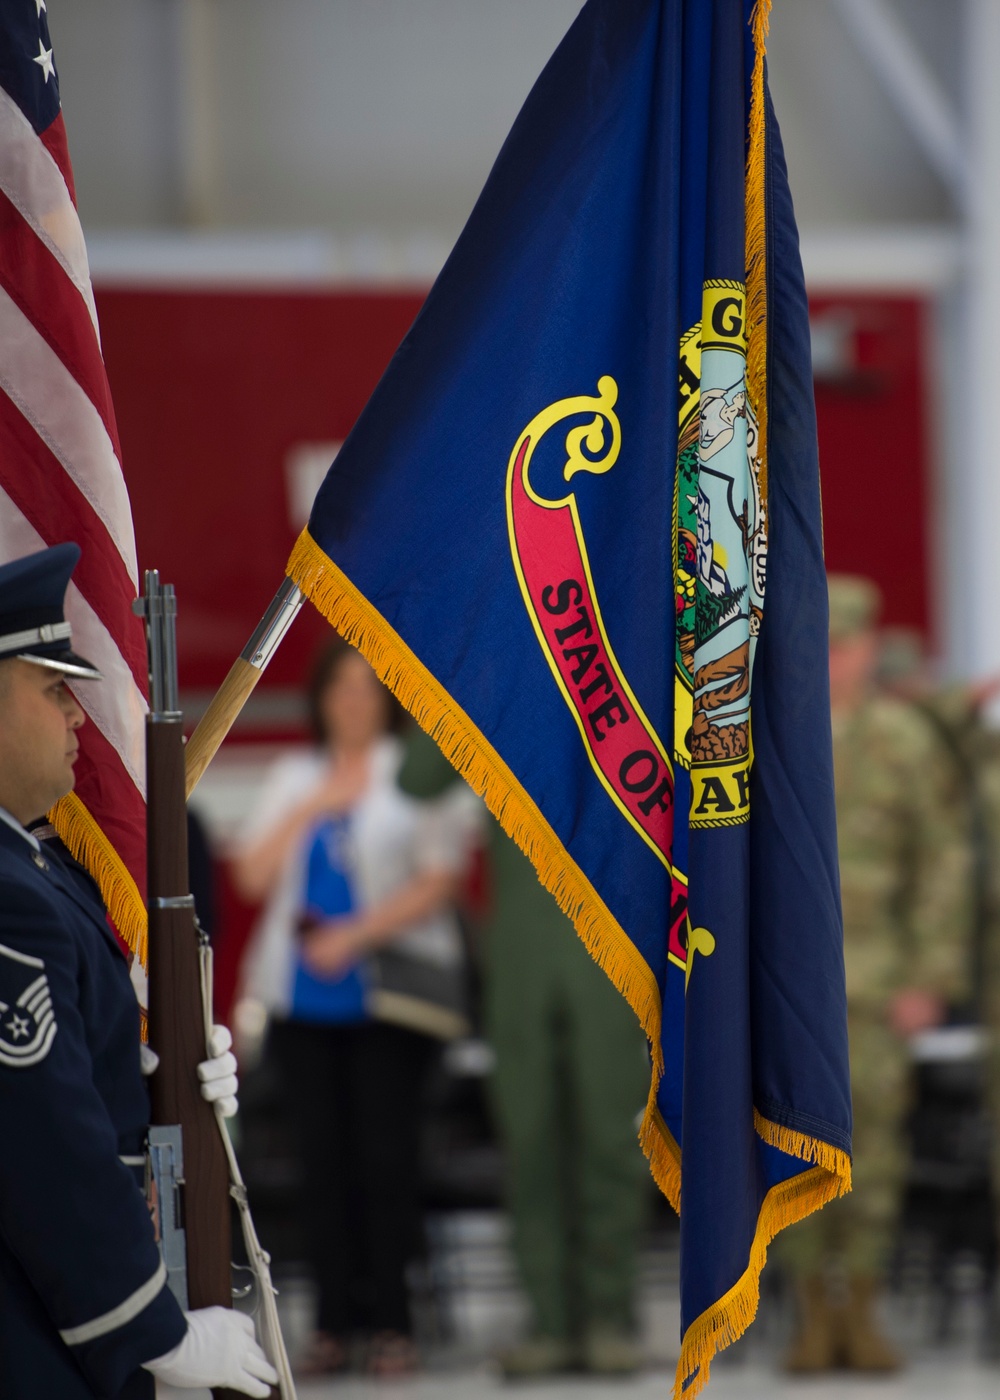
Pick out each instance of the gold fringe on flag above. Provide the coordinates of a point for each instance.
(660, 1146)
(726, 1321)
(830, 1176)
(88, 844)
(809, 1149)
(474, 757)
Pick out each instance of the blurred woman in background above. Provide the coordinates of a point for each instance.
(348, 865)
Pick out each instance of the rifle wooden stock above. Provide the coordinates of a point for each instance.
(177, 1026)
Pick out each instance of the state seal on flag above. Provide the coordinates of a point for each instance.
(720, 554)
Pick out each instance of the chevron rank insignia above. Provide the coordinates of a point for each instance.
(27, 1020)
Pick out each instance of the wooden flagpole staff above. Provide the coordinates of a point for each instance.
(238, 686)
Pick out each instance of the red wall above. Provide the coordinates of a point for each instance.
(874, 453)
(212, 388)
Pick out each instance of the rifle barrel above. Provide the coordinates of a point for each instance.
(176, 1014)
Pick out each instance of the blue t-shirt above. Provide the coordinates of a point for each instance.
(340, 999)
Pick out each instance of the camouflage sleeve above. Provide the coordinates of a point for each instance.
(937, 892)
(989, 780)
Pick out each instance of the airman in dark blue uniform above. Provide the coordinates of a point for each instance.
(83, 1304)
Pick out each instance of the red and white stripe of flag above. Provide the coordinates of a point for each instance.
(61, 479)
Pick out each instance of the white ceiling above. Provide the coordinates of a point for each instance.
(382, 117)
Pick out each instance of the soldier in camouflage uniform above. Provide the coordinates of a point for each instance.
(981, 745)
(957, 712)
(904, 883)
(989, 994)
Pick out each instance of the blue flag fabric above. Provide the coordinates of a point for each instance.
(577, 531)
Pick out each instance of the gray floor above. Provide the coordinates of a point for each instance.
(937, 1379)
(469, 1308)
(928, 1377)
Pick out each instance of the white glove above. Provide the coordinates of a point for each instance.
(218, 1075)
(218, 1349)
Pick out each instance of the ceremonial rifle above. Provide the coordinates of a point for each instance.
(192, 1160)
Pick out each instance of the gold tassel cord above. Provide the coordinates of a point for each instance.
(472, 755)
(88, 844)
(756, 242)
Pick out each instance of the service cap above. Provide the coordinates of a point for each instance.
(855, 603)
(32, 623)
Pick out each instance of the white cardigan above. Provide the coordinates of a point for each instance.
(391, 838)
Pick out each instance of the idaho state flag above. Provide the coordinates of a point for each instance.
(577, 531)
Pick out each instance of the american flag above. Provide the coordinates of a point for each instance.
(60, 464)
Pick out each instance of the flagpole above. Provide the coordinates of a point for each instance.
(238, 686)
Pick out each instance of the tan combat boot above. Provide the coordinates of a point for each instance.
(608, 1351)
(866, 1348)
(538, 1356)
(815, 1344)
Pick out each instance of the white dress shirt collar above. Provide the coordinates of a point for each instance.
(15, 825)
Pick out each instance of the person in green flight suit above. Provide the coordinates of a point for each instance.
(571, 1079)
(905, 878)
